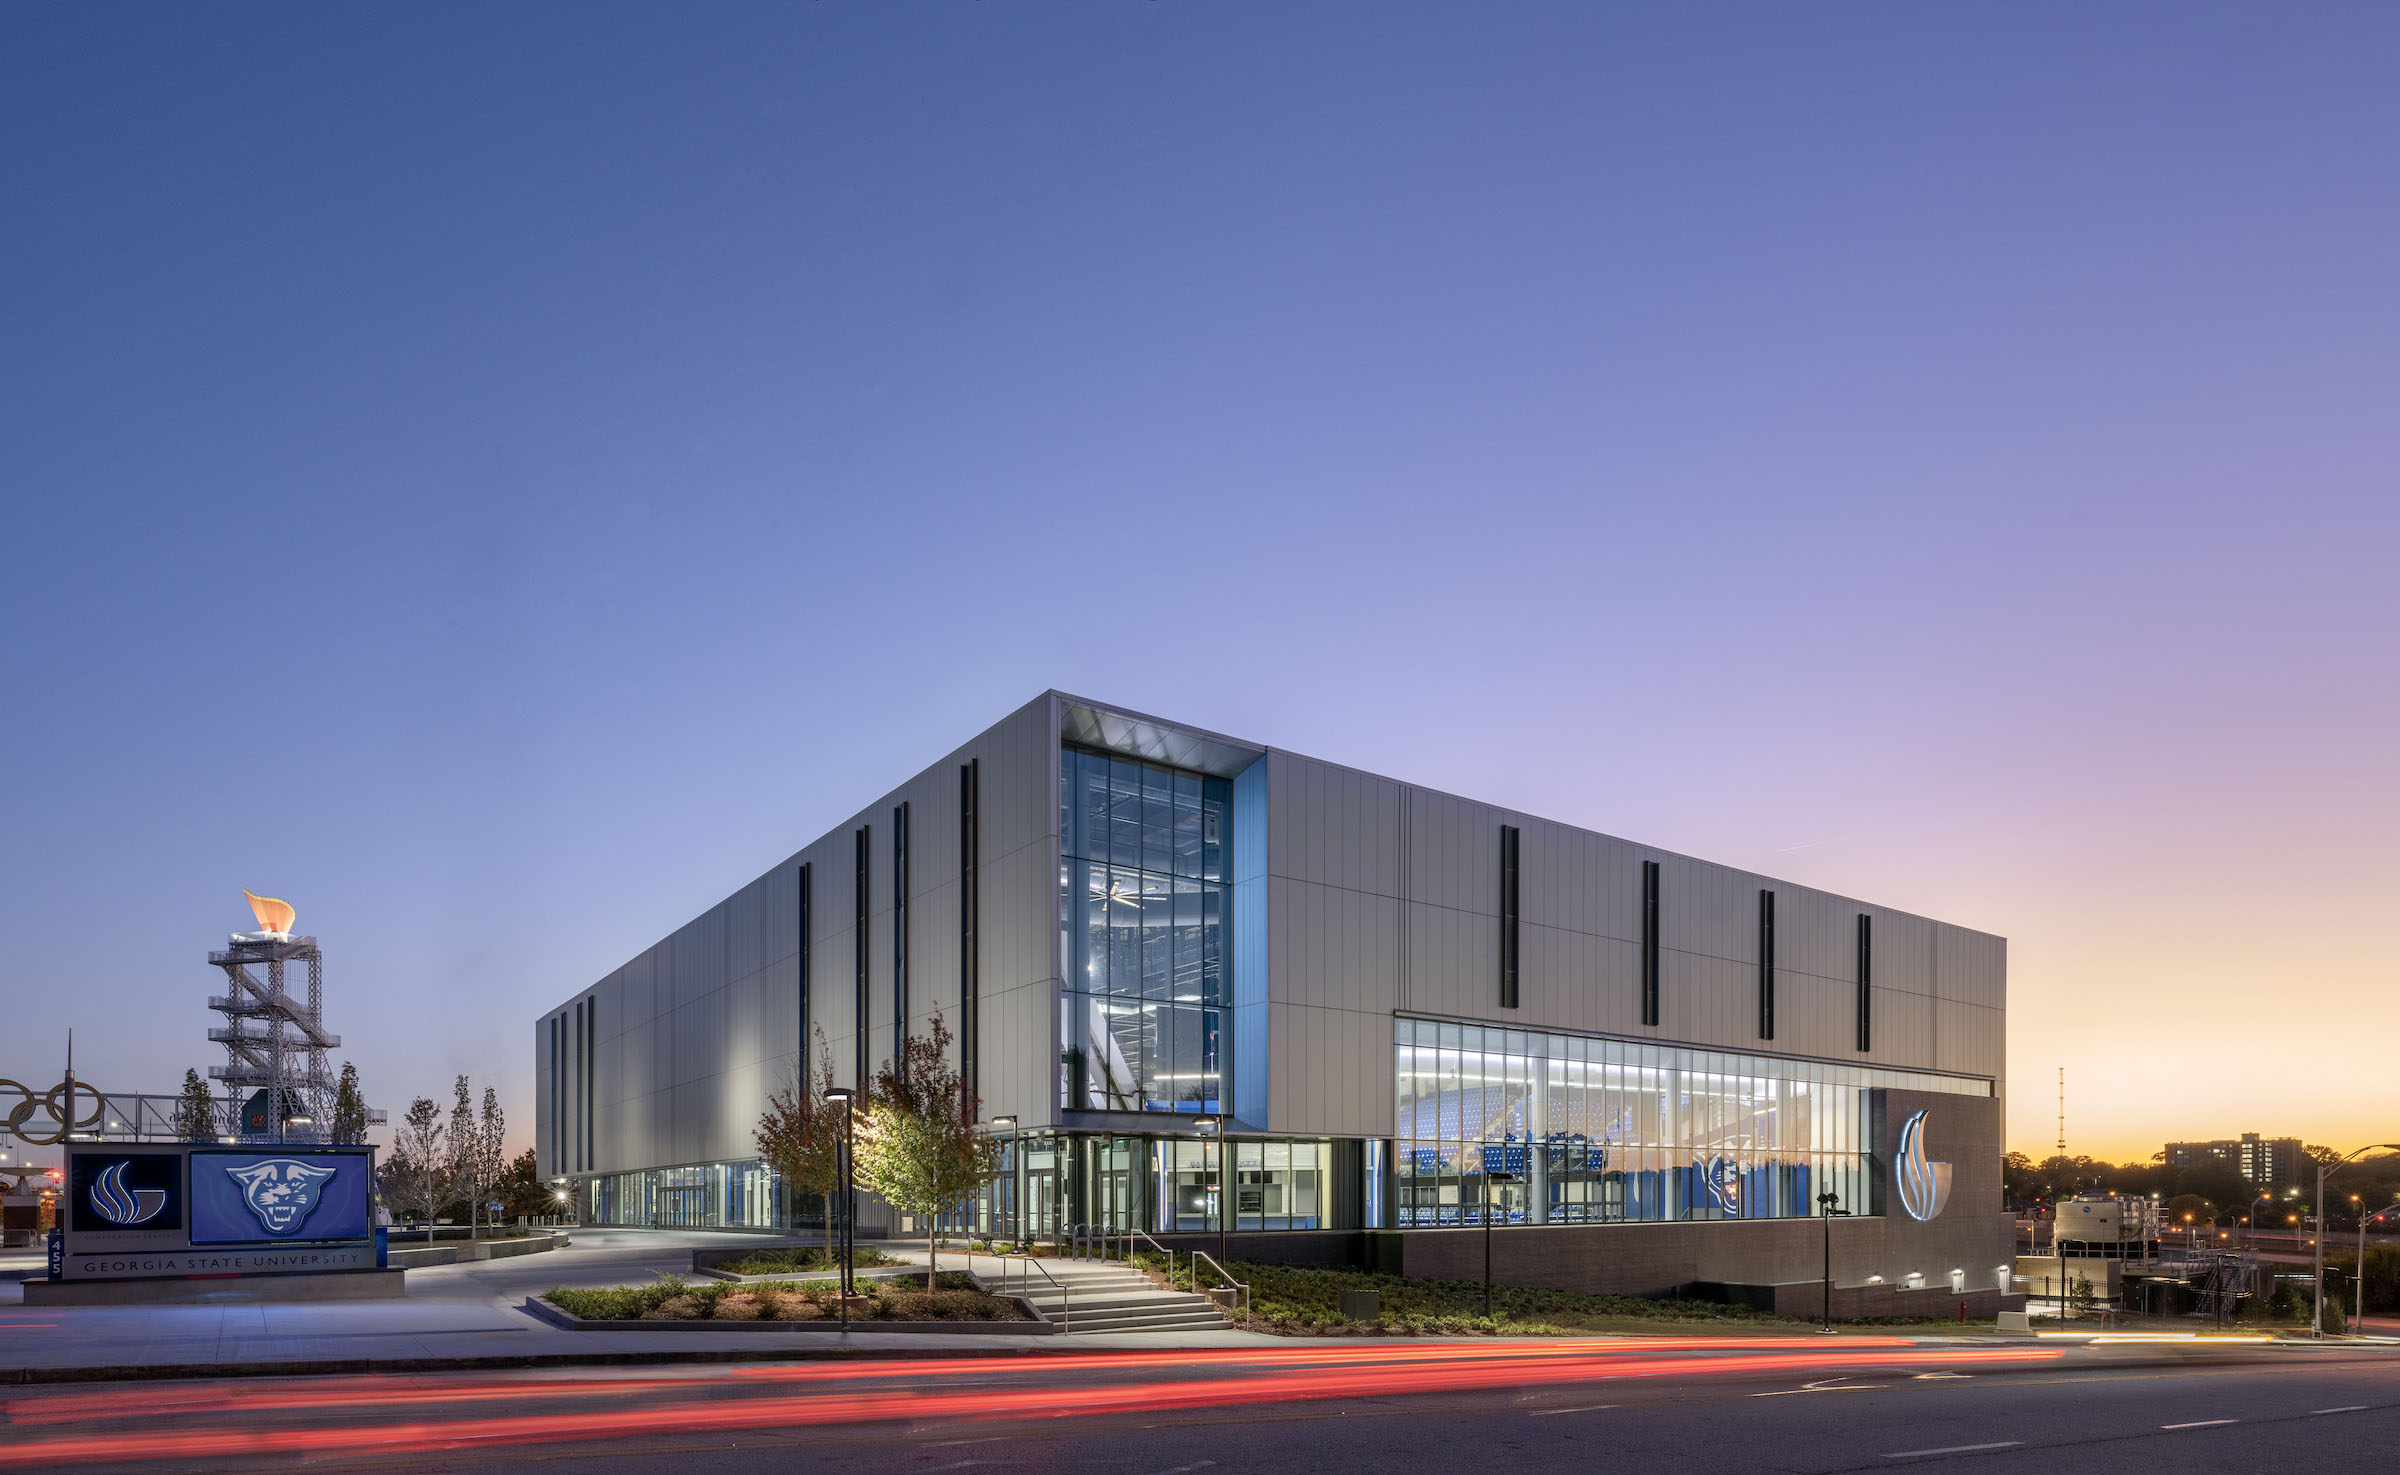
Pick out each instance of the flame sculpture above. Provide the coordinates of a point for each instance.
(273, 915)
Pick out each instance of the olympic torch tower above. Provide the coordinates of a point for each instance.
(275, 1075)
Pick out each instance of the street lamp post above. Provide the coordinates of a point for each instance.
(841, 1096)
(2361, 1277)
(1491, 1176)
(1828, 1206)
(2324, 1171)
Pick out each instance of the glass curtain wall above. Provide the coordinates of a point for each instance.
(745, 1195)
(1591, 1131)
(1143, 908)
(1053, 1183)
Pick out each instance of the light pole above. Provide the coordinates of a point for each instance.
(2324, 1171)
(1491, 1177)
(1827, 1205)
(841, 1096)
(2361, 1277)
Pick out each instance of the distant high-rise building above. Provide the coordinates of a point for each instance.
(2269, 1162)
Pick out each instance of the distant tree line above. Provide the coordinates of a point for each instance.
(2212, 1193)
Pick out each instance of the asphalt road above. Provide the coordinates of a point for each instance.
(1714, 1406)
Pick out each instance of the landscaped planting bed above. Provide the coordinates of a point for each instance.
(672, 1298)
(792, 1261)
(1306, 1302)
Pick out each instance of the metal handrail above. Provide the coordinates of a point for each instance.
(1134, 1234)
(1066, 1298)
(1223, 1274)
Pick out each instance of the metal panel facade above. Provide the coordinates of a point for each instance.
(1355, 897)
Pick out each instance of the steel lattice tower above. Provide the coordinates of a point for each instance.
(273, 1040)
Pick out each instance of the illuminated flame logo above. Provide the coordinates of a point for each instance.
(280, 1191)
(116, 1203)
(1924, 1186)
(273, 915)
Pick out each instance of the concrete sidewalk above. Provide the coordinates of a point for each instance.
(463, 1316)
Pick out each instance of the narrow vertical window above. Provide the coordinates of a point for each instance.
(970, 903)
(591, 1082)
(1508, 916)
(558, 1093)
(1766, 965)
(899, 934)
(1866, 983)
(806, 878)
(858, 939)
(578, 1097)
(1649, 942)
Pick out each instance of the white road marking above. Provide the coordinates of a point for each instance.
(1921, 1377)
(2200, 1424)
(2347, 1408)
(1953, 1449)
(1188, 1469)
(1819, 1386)
(1593, 1409)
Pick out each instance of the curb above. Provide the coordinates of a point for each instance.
(542, 1310)
(323, 1367)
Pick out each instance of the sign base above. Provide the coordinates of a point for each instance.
(228, 1290)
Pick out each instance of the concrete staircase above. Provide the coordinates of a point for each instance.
(1105, 1297)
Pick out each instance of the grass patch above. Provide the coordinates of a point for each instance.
(673, 1298)
(1301, 1301)
(790, 1261)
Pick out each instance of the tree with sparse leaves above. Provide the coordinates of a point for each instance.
(799, 1135)
(465, 1152)
(349, 1107)
(195, 1110)
(421, 1161)
(491, 1147)
(918, 1148)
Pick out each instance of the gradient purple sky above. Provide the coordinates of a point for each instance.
(501, 478)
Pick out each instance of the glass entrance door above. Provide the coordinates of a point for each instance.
(1113, 1169)
(1041, 1187)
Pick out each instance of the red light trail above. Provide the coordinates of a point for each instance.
(756, 1398)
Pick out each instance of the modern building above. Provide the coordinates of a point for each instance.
(2269, 1162)
(1395, 1000)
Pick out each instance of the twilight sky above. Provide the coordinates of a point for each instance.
(503, 477)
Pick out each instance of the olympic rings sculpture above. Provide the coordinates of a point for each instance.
(59, 1101)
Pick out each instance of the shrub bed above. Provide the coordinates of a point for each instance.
(1302, 1301)
(672, 1298)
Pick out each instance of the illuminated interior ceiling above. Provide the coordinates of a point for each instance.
(1136, 736)
(273, 915)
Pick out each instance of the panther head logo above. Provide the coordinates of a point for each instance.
(280, 1191)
